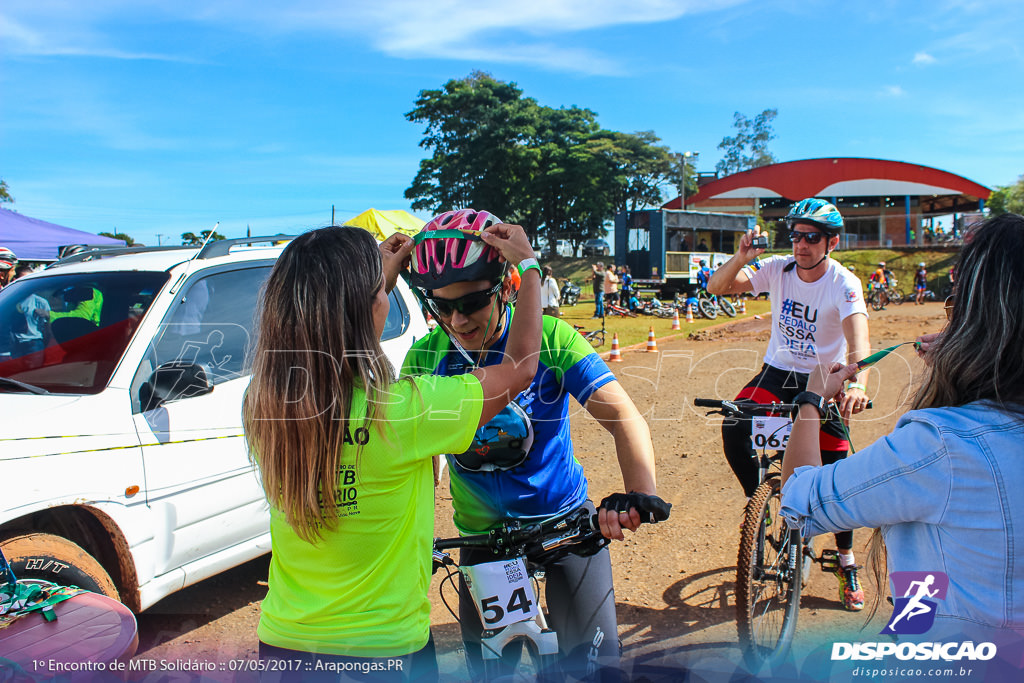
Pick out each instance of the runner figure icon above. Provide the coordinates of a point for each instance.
(919, 591)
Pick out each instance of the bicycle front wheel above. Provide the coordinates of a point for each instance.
(708, 308)
(727, 307)
(768, 577)
(875, 300)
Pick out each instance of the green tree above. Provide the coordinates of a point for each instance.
(749, 147)
(1007, 199)
(477, 130)
(128, 241)
(645, 170)
(191, 239)
(5, 193)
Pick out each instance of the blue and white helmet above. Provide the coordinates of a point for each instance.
(816, 212)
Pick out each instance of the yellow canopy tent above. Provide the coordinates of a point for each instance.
(382, 224)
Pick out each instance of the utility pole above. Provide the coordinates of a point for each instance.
(684, 156)
(158, 240)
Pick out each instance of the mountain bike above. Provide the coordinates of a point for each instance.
(773, 563)
(708, 305)
(506, 591)
(615, 309)
(595, 337)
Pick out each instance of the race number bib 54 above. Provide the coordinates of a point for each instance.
(501, 592)
(771, 433)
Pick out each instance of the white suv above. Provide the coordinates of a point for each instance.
(123, 463)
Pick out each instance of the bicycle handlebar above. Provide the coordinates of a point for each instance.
(747, 410)
(577, 532)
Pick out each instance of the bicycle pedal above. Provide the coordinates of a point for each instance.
(829, 560)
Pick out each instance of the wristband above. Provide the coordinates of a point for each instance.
(856, 385)
(813, 399)
(528, 263)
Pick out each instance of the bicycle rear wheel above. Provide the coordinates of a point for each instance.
(727, 307)
(768, 576)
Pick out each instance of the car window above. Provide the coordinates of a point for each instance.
(67, 333)
(210, 325)
(398, 317)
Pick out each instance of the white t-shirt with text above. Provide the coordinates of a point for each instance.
(807, 317)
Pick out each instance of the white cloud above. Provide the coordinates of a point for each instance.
(63, 41)
(894, 91)
(923, 58)
(537, 32)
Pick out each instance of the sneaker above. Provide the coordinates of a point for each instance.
(850, 592)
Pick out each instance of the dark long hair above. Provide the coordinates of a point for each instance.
(980, 355)
(316, 343)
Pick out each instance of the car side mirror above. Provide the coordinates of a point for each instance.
(173, 381)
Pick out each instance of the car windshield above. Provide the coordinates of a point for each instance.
(66, 333)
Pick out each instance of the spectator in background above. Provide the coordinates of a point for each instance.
(626, 280)
(920, 282)
(611, 285)
(703, 246)
(598, 280)
(7, 262)
(21, 270)
(549, 293)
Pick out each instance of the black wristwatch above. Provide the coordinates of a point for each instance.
(813, 399)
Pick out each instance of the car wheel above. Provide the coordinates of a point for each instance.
(56, 559)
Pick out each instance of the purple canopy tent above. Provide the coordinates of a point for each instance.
(34, 240)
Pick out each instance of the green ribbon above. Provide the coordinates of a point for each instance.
(442, 234)
(879, 355)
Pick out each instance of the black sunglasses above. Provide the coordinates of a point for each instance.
(470, 303)
(811, 237)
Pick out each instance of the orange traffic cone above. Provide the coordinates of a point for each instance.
(689, 314)
(675, 320)
(615, 356)
(652, 344)
(743, 306)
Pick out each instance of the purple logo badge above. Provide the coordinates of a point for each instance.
(914, 601)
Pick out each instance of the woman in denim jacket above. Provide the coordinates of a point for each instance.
(945, 487)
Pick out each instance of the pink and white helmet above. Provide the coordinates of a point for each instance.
(441, 261)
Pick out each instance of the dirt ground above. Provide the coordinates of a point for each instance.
(673, 581)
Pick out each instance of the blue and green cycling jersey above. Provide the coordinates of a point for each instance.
(521, 464)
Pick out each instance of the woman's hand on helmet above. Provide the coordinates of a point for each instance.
(510, 240)
(394, 254)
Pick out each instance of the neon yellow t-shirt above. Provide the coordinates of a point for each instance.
(362, 590)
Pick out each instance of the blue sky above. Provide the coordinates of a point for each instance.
(151, 117)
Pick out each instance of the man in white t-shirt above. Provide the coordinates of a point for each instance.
(818, 316)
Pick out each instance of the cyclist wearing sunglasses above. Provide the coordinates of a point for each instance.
(521, 464)
(818, 316)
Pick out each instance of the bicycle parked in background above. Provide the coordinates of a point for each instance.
(595, 337)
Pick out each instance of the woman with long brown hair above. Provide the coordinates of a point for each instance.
(344, 451)
(943, 487)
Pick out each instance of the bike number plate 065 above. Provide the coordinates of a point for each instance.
(501, 592)
(771, 432)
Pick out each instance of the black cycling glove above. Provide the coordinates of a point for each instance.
(651, 508)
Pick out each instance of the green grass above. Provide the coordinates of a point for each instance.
(635, 330)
